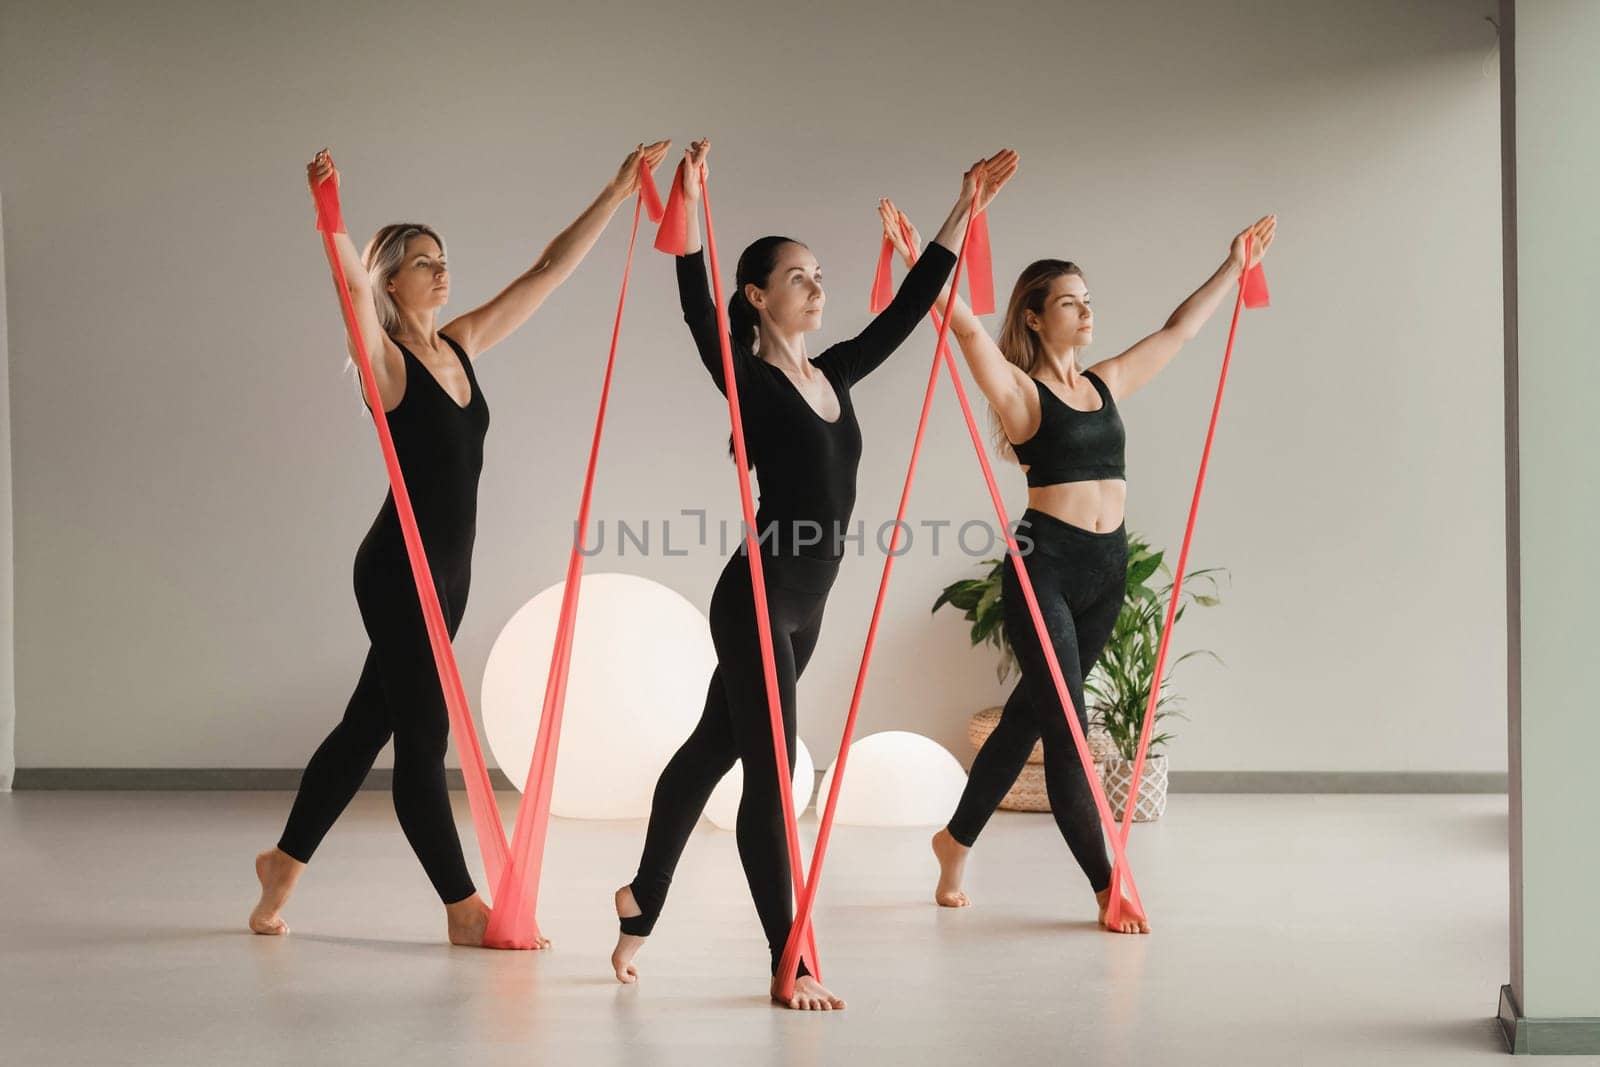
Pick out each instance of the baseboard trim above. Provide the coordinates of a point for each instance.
(1338, 782)
(198, 779)
(288, 778)
(1546, 1037)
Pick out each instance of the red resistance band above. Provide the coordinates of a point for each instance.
(788, 963)
(514, 868)
(1252, 294)
(673, 239)
(980, 269)
(878, 300)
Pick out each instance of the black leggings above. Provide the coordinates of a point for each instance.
(398, 695)
(1079, 578)
(736, 725)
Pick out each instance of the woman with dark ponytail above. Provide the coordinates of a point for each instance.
(803, 440)
(1060, 421)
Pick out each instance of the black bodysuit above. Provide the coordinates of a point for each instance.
(806, 465)
(440, 447)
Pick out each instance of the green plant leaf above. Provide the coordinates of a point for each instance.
(1190, 655)
(1140, 571)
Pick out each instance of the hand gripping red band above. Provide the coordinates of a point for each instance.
(513, 868)
(673, 239)
(1253, 283)
(980, 269)
(329, 219)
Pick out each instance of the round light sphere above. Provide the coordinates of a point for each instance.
(896, 778)
(723, 807)
(641, 658)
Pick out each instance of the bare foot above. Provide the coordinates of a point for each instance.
(466, 920)
(277, 871)
(467, 925)
(628, 945)
(1131, 921)
(808, 996)
(952, 857)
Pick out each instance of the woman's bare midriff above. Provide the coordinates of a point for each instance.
(1097, 506)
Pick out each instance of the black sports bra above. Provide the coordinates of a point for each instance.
(1072, 445)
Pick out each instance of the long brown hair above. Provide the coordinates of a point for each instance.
(1018, 342)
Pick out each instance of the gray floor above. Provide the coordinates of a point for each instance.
(1289, 930)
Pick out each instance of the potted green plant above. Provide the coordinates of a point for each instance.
(1118, 689)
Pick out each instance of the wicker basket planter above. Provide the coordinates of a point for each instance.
(1117, 774)
(982, 724)
(1029, 794)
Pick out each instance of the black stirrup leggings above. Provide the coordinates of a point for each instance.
(736, 725)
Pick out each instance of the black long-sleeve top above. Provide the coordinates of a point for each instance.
(805, 464)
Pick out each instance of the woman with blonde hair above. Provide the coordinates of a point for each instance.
(438, 418)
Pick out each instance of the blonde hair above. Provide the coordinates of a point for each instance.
(1019, 343)
(383, 257)
(385, 254)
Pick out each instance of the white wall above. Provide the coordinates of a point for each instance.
(192, 474)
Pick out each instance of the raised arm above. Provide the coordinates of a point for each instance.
(1002, 382)
(487, 325)
(864, 353)
(867, 350)
(387, 365)
(1132, 370)
(694, 293)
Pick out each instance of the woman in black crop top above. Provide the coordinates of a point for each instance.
(1062, 424)
(438, 418)
(805, 444)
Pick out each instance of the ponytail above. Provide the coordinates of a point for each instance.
(756, 264)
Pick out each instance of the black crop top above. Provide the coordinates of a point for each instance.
(806, 465)
(1072, 445)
